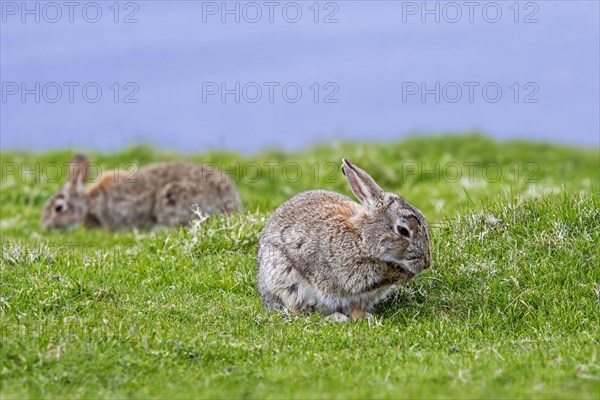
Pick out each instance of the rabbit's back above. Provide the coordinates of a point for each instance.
(160, 194)
(309, 208)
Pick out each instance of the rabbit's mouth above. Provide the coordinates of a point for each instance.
(402, 264)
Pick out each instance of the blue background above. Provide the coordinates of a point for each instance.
(372, 49)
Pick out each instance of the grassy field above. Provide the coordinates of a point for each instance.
(509, 309)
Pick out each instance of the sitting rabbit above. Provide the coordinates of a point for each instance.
(320, 251)
(156, 195)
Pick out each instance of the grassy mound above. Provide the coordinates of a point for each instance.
(508, 309)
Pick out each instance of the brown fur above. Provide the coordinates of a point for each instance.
(107, 179)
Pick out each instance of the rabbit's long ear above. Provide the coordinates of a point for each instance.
(78, 173)
(362, 185)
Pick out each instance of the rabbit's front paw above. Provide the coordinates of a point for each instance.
(359, 313)
(337, 317)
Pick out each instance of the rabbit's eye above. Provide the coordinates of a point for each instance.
(59, 208)
(403, 231)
